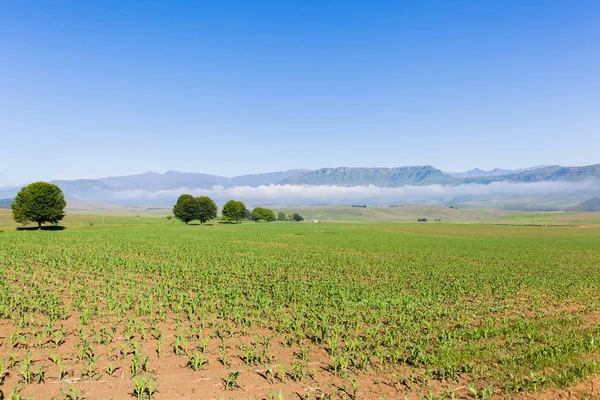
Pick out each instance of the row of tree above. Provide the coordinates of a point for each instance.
(43, 202)
(189, 208)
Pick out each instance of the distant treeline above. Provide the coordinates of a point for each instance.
(189, 208)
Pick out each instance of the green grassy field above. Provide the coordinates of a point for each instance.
(400, 213)
(410, 213)
(256, 310)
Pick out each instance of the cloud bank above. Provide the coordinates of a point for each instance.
(315, 195)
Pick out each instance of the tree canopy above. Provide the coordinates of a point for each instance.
(281, 216)
(187, 208)
(296, 217)
(234, 211)
(40, 202)
(190, 208)
(207, 209)
(262, 214)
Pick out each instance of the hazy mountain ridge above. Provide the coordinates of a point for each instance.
(547, 174)
(428, 175)
(340, 176)
(552, 187)
(384, 177)
(591, 205)
(171, 180)
(476, 172)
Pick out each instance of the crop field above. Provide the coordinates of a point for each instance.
(141, 307)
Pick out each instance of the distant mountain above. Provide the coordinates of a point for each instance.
(428, 175)
(341, 176)
(545, 174)
(476, 172)
(153, 181)
(270, 178)
(153, 189)
(170, 180)
(385, 177)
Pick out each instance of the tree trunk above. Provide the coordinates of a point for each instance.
(39, 225)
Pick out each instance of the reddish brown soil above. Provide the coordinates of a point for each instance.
(174, 378)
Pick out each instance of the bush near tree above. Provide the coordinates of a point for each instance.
(281, 216)
(262, 214)
(39, 202)
(296, 217)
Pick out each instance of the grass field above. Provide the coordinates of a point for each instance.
(139, 307)
(400, 213)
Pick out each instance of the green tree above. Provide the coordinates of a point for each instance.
(233, 211)
(207, 209)
(264, 214)
(256, 214)
(269, 215)
(39, 202)
(247, 214)
(242, 210)
(281, 216)
(187, 208)
(296, 217)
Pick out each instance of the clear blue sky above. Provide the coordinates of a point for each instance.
(100, 88)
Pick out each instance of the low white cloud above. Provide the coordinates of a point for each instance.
(311, 195)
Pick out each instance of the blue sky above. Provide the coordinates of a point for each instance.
(101, 88)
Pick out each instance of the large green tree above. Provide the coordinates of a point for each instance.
(233, 211)
(207, 209)
(187, 208)
(40, 202)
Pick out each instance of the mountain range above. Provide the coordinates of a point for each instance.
(476, 172)
(428, 175)
(340, 176)
(171, 180)
(567, 187)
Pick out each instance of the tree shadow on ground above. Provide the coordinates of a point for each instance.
(43, 228)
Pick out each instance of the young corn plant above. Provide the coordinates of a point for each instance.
(71, 392)
(197, 361)
(26, 373)
(231, 382)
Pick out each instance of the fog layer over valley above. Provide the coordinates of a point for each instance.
(502, 194)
